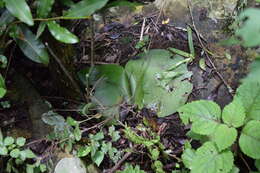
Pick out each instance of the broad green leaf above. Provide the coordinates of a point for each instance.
(6, 18)
(15, 153)
(85, 8)
(98, 157)
(187, 157)
(3, 61)
(61, 34)
(44, 8)
(43, 168)
(67, 3)
(249, 140)
(209, 160)
(40, 29)
(83, 151)
(113, 133)
(20, 9)
(8, 140)
(250, 27)
(204, 115)
(29, 168)
(33, 48)
(234, 113)
(20, 141)
(224, 136)
(3, 151)
(2, 87)
(253, 75)
(156, 84)
(249, 94)
(98, 136)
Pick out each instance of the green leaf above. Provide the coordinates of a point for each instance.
(85, 8)
(40, 29)
(6, 18)
(32, 47)
(257, 164)
(98, 157)
(8, 140)
(29, 154)
(20, 9)
(29, 168)
(43, 168)
(250, 27)
(234, 113)
(249, 140)
(72, 122)
(224, 136)
(204, 115)
(249, 94)
(253, 75)
(2, 87)
(51, 118)
(98, 136)
(20, 141)
(15, 153)
(1, 137)
(187, 157)
(154, 82)
(3, 61)
(84, 151)
(77, 133)
(44, 8)
(61, 34)
(113, 133)
(209, 160)
(3, 151)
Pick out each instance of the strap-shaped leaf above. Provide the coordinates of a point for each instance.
(20, 9)
(33, 48)
(204, 115)
(209, 160)
(61, 34)
(85, 8)
(234, 113)
(249, 140)
(40, 29)
(44, 7)
(249, 94)
(2, 86)
(224, 136)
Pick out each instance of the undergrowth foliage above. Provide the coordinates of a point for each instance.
(219, 130)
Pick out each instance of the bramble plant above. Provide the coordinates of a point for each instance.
(18, 156)
(219, 130)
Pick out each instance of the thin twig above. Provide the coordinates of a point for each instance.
(247, 166)
(118, 164)
(97, 125)
(142, 30)
(230, 90)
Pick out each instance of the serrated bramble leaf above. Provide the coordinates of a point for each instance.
(85, 8)
(224, 136)
(249, 140)
(250, 27)
(77, 133)
(20, 9)
(209, 160)
(33, 48)
(249, 94)
(204, 115)
(61, 34)
(234, 113)
(44, 7)
(187, 157)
